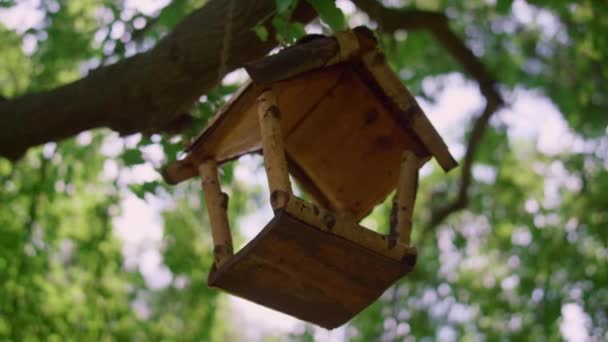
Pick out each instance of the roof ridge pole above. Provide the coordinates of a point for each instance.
(217, 207)
(273, 146)
(406, 195)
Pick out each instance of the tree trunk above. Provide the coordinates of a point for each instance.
(150, 91)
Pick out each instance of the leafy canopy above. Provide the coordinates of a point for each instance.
(530, 243)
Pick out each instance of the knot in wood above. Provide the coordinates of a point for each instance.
(392, 239)
(410, 260)
(222, 251)
(329, 220)
(274, 111)
(379, 58)
(279, 199)
(224, 200)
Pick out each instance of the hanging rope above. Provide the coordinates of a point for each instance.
(225, 51)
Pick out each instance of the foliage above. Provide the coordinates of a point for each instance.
(330, 14)
(531, 240)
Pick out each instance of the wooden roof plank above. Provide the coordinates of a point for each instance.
(375, 62)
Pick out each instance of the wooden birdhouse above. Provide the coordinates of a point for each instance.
(331, 113)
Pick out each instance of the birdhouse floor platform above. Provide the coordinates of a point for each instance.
(311, 272)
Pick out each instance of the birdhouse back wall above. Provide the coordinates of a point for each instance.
(347, 141)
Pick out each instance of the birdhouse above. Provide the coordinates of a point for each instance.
(331, 113)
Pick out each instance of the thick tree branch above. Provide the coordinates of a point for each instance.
(146, 92)
(438, 25)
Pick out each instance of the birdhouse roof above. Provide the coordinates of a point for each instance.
(346, 119)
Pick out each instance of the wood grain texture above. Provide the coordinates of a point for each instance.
(305, 272)
(234, 131)
(273, 144)
(406, 195)
(375, 63)
(294, 60)
(342, 225)
(344, 125)
(350, 145)
(310, 53)
(217, 207)
(348, 41)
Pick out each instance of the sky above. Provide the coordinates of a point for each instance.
(529, 117)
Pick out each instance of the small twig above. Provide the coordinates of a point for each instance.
(461, 201)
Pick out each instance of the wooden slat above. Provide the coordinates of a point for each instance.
(317, 52)
(344, 227)
(349, 45)
(310, 53)
(235, 130)
(219, 140)
(376, 64)
(217, 207)
(310, 274)
(275, 161)
(406, 195)
(211, 138)
(179, 171)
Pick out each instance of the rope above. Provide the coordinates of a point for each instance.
(225, 51)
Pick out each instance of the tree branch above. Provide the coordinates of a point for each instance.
(148, 91)
(438, 25)
(461, 200)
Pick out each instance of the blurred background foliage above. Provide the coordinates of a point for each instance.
(531, 246)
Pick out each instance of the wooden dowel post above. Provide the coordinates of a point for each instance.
(406, 195)
(217, 205)
(275, 162)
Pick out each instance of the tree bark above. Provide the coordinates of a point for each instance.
(150, 91)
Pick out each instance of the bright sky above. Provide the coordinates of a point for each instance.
(530, 117)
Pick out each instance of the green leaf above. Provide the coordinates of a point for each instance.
(132, 157)
(287, 32)
(7, 3)
(173, 13)
(330, 14)
(261, 32)
(283, 6)
(171, 149)
(140, 190)
(295, 31)
(503, 6)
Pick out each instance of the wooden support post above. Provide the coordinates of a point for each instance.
(217, 205)
(273, 145)
(406, 195)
